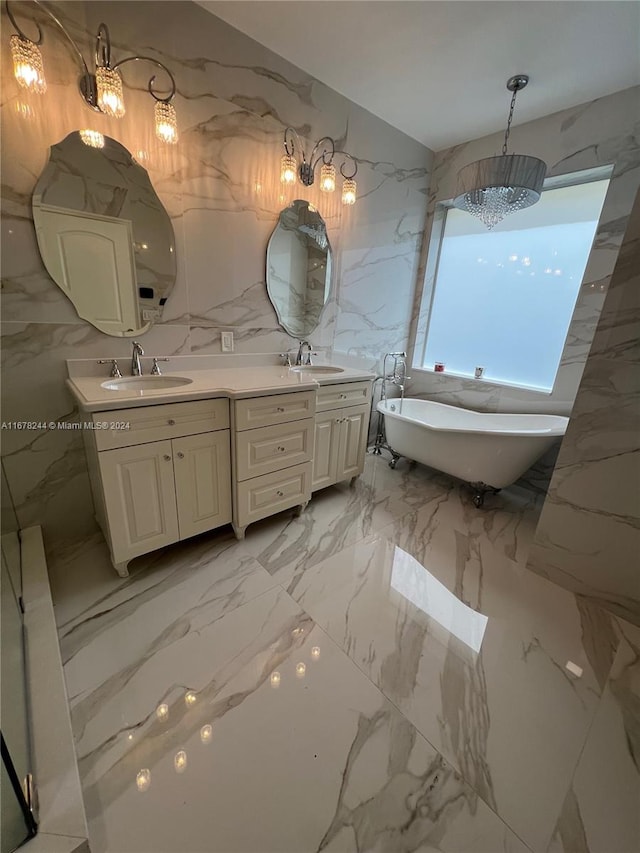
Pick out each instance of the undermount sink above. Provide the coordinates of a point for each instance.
(145, 383)
(317, 368)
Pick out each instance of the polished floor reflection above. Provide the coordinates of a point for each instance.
(379, 675)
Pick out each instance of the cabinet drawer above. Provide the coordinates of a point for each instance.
(272, 448)
(274, 409)
(344, 394)
(156, 423)
(271, 493)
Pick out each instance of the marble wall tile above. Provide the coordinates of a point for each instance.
(221, 188)
(588, 536)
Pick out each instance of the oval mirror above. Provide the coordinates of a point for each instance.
(103, 234)
(299, 268)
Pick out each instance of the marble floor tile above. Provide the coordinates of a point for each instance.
(443, 703)
(341, 515)
(253, 732)
(477, 652)
(107, 618)
(600, 812)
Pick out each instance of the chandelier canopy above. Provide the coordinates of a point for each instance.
(494, 187)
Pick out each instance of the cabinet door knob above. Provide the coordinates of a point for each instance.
(343, 396)
(280, 494)
(167, 458)
(180, 455)
(279, 409)
(171, 422)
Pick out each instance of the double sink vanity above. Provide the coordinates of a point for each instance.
(174, 455)
(210, 440)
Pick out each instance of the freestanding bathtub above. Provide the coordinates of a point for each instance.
(489, 451)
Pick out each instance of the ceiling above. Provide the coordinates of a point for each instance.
(437, 69)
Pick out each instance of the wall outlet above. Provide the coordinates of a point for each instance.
(227, 341)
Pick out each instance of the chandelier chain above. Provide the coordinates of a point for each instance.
(508, 130)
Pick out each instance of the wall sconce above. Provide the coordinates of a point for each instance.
(496, 186)
(102, 90)
(323, 152)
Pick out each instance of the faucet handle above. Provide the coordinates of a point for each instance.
(155, 370)
(287, 358)
(115, 370)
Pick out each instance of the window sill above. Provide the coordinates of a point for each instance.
(500, 383)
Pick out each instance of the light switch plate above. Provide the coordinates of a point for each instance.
(227, 341)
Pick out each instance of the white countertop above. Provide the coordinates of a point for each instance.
(206, 382)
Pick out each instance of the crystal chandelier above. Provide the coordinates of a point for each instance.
(102, 90)
(323, 152)
(497, 186)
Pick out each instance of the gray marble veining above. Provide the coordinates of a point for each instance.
(588, 536)
(381, 674)
(221, 187)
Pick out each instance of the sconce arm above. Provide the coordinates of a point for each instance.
(330, 150)
(152, 80)
(290, 144)
(353, 160)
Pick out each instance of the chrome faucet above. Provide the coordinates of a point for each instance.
(303, 358)
(136, 368)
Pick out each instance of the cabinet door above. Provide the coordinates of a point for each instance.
(325, 449)
(203, 481)
(353, 441)
(139, 496)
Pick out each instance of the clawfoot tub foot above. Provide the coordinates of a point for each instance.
(481, 490)
(394, 459)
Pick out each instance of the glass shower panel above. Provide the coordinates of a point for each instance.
(17, 822)
(14, 828)
(13, 704)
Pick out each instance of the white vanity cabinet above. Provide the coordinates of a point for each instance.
(165, 478)
(272, 452)
(341, 428)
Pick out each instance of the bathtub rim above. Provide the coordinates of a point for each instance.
(555, 432)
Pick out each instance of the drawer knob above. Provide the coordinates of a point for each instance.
(280, 409)
(280, 494)
(180, 455)
(171, 422)
(167, 458)
(343, 396)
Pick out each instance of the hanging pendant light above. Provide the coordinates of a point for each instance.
(494, 187)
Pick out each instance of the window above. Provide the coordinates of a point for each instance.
(503, 299)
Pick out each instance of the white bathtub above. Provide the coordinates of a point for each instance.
(481, 448)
